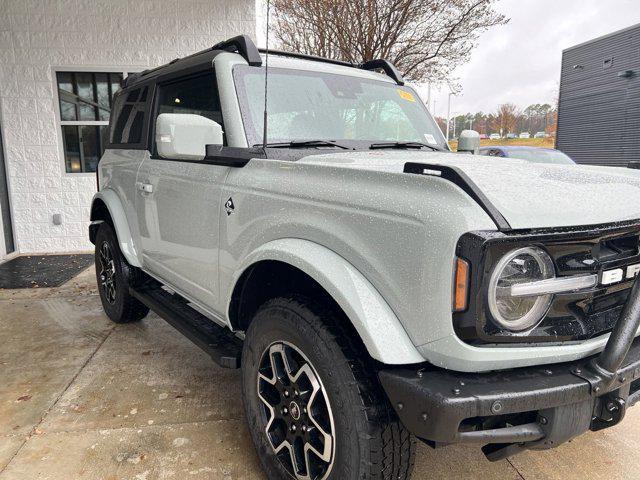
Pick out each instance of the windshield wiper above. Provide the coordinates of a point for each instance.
(399, 145)
(305, 144)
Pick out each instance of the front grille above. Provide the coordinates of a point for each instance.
(571, 317)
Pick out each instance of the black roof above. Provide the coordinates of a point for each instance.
(244, 46)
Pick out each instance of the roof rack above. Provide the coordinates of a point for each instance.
(304, 56)
(386, 66)
(244, 46)
(377, 64)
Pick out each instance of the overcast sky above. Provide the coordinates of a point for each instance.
(520, 62)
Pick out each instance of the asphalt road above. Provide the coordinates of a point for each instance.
(81, 398)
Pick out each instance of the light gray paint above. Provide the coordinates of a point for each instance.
(380, 241)
(234, 128)
(178, 222)
(362, 303)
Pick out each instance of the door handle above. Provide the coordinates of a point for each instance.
(144, 187)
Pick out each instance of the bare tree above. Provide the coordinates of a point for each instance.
(505, 118)
(425, 39)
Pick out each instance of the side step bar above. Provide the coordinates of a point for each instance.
(220, 343)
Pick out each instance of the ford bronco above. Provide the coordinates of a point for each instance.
(373, 286)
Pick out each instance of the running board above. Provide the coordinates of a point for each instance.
(219, 342)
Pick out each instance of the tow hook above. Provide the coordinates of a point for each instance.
(609, 412)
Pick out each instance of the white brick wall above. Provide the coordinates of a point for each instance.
(36, 36)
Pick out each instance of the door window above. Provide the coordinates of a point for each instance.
(197, 94)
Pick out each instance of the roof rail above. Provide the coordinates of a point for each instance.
(304, 56)
(386, 66)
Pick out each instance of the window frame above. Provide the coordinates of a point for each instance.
(154, 105)
(125, 71)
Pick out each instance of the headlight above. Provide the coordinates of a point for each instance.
(524, 265)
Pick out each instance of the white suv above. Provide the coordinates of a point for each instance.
(373, 286)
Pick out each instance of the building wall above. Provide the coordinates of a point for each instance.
(39, 36)
(599, 106)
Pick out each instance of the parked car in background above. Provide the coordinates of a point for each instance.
(525, 135)
(511, 136)
(495, 136)
(531, 154)
(540, 135)
(483, 136)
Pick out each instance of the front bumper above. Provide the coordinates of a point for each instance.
(533, 407)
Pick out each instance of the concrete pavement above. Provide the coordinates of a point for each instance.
(82, 398)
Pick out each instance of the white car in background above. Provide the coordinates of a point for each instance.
(525, 135)
(540, 135)
(494, 136)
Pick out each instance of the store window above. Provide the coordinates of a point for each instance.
(86, 102)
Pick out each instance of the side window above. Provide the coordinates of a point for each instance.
(197, 94)
(128, 124)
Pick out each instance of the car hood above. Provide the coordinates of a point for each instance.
(528, 195)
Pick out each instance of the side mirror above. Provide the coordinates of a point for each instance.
(185, 136)
(469, 142)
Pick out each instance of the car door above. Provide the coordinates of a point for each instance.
(179, 202)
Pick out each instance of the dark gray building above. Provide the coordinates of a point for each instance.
(599, 106)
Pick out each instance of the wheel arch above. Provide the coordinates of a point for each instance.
(107, 207)
(270, 269)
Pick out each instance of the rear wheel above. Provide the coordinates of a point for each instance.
(313, 402)
(114, 275)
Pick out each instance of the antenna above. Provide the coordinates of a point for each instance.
(266, 79)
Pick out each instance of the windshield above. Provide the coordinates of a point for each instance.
(307, 105)
(541, 156)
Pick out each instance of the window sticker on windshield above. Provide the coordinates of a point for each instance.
(431, 140)
(406, 95)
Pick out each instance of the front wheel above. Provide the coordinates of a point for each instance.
(314, 407)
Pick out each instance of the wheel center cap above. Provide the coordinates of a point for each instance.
(295, 410)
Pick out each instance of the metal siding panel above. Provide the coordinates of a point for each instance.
(599, 112)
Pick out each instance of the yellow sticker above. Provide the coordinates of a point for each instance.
(406, 95)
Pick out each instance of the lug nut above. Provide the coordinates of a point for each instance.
(305, 410)
(285, 410)
(286, 393)
(293, 428)
(543, 420)
(304, 428)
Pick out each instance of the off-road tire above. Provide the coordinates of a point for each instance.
(118, 304)
(370, 442)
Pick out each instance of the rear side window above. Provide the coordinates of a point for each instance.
(128, 122)
(196, 94)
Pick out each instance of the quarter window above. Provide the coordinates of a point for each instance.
(129, 112)
(86, 102)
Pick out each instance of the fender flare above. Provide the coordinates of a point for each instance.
(123, 233)
(379, 328)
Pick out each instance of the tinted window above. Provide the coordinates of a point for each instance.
(197, 95)
(129, 114)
